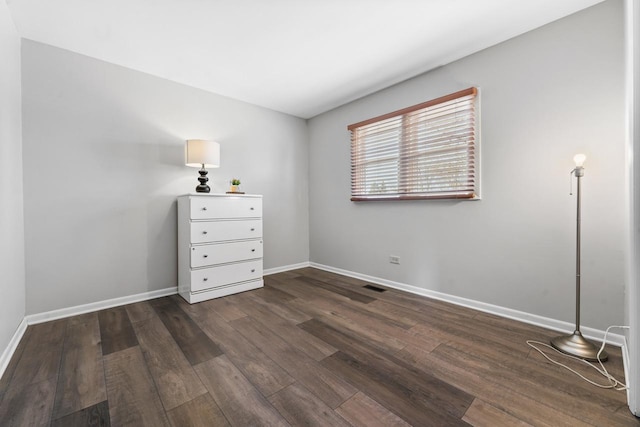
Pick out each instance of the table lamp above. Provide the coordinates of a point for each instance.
(201, 154)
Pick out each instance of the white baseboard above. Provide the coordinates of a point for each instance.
(13, 345)
(275, 270)
(533, 319)
(33, 319)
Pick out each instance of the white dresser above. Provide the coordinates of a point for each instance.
(219, 245)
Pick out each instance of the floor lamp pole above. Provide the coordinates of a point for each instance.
(578, 220)
(575, 344)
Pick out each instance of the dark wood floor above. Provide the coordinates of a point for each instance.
(310, 348)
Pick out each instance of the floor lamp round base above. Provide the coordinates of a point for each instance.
(577, 345)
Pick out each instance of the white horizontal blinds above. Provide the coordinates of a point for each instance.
(375, 151)
(425, 151)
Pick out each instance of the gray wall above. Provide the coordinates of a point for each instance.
(12, 281)
(104, 162)
(545, 96)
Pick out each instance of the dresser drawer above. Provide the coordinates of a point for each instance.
(225, 274)
(222, 253)
(218, 231)
(221, 208)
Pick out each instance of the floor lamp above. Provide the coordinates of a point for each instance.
(575, 344)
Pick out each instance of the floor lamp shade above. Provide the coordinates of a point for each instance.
(202, 154)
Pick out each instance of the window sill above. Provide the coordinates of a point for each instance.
(401, 198)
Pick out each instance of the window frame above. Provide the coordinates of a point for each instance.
(404, 143)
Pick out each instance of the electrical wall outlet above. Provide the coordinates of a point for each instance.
(393, 259)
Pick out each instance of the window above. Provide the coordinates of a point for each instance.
(428, 151)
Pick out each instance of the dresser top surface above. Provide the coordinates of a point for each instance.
(225, 195)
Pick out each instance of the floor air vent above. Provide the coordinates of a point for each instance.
(374, 288)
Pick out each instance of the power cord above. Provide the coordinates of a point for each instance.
(613, 382)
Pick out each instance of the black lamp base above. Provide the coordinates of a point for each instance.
(203, 187)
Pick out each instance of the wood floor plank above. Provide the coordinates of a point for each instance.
(325, 275)
(133, 398)
(451, 332)
(28, 405)
(81, 381)
(355, 285)
(363, 411)
(625, 412)
(413, 406)
(521, 328)
(467, 332)
(404, 299)
(481, 414)
(307, 292)
(115, 330)
(615, 364)
(279, 307)
(420, 308)
(329, 387)
(488, 389)
(241, 403)
(349, 293)
(305, 287)
(266, 375)
(548, 390)
(271, 294)
(175, 379)
(400, 298)
(538, 369)
(385, 337)
(226, 308)
(312, 346)
(199, 412)
(396, 313)
(140, 311)
(13, 363)
(369, 309)
(432, 393)
(94, 415)
(300, 407)
(291, 274)
(40, 359)
(302, 289)
(193, 342)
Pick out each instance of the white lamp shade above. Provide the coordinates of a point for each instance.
(202, 152)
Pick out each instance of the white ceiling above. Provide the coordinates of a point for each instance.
(301, 57)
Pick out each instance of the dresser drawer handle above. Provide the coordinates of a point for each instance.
(253, 250)
(252, 208)
(205, 279)
(204, 232)
(253, 270)
(253, 229)
(204, 208)
(205, 256)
